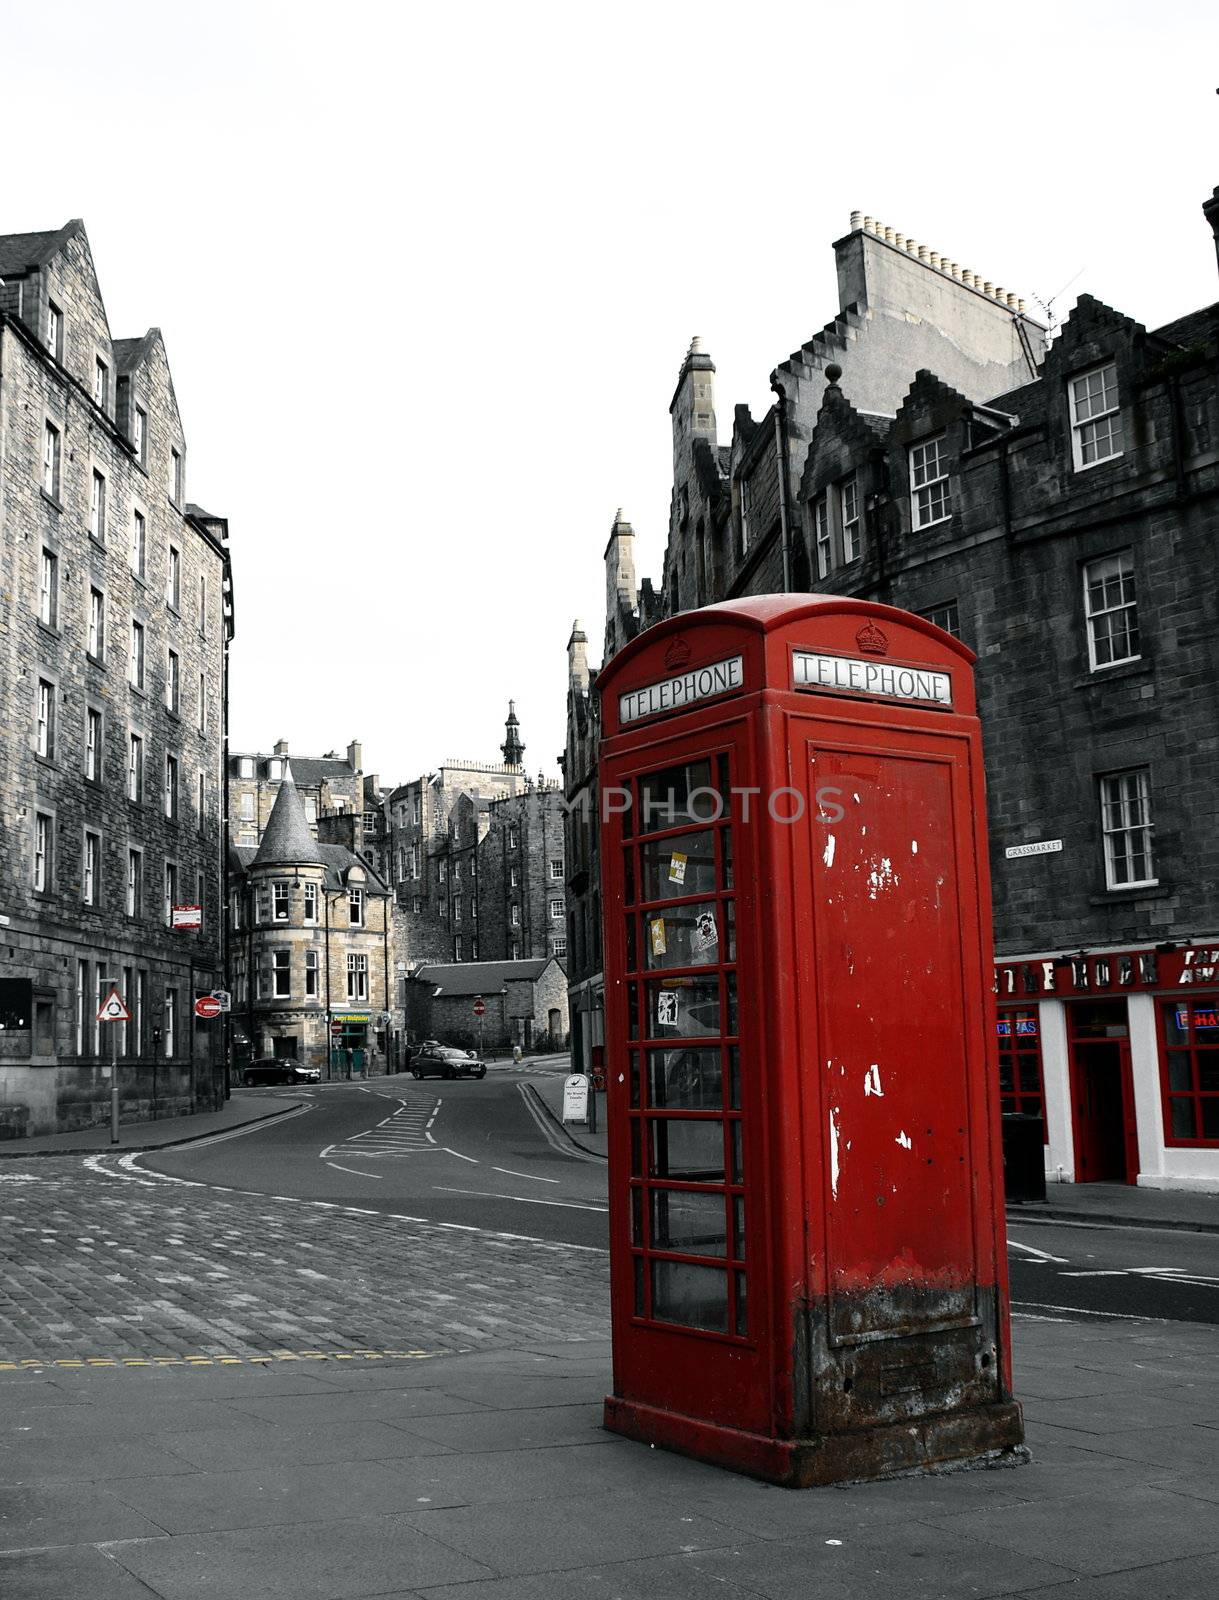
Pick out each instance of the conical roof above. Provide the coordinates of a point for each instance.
(286, 841)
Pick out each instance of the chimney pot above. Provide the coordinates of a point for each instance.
(1019, 305)
(912, 245)
(987, 287)
(922, 252)
(899, 239)
(936, 258)
(955, 268)
(888, 235)
(856, 219)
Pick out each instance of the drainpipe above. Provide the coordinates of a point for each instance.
(328, 1046)
(782, 462)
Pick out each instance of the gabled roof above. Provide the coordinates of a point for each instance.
(310, 771)
(462, 978)
(1190, 329)
(19, 252)
(286, 840)
(132, 353)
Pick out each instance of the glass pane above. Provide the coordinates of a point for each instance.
(1208, 1070)
(1183, 1125)
(742, 1305)
(692, 1224)
(726, 859)
(738, 1226)
(692, 1152)
(628, 875)
(1210, 1118)
(730, 995)
(1180, 1075)
(734, 1078)
(686, 1008)
(1007, 1074)
(677, 795)
(632, 953)
(632, 1005)
(738, 1157)
(637, 1216)
(685, 1080)
(633, 1069)
(636, 1149)
(695, 1297)
(639, 1306)
(1105, 1019)
(1030, 1075)
(696, 935)
(682, 865)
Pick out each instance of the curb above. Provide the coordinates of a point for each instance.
(562, 1126)
(1105, 1219)
(9, 1154)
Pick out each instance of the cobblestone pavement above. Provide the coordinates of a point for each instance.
(101, 1260)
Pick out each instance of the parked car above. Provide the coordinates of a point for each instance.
(445, 1061)
(280, 1072)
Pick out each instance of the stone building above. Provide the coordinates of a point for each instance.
(332, 785)
(525, 1004)
(1057, 507)
(476, 854)
(114, 640)
(313, 954)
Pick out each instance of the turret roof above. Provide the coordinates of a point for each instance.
(286, 840)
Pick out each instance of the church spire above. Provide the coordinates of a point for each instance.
(514, 750)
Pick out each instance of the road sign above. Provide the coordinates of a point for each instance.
(575, 1098)
(480, 1007)
(223, 999)
(207, 1006)
(185, 917)
(336, 1028)
(113, 1008)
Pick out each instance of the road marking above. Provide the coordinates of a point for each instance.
(340, 1168)
(525, 1200)
(35, 1363)
(1081, 1311)
(1038, 1255)
(251, 1127)
(508, 1173)
(1096, 1272)
(548, 1133)
(458, 1154)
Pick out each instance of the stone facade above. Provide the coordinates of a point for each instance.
(113, 660)
(332, 785)
(313, 944)
(525, 1001)
(1056, 507)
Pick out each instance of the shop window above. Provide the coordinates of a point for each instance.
(1020, 1075)
(1190, 1068)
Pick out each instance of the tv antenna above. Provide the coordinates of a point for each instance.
(1047, 306)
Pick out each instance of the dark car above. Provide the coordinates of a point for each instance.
(445, 1061)
(280, 1072)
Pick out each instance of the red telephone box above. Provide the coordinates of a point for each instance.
(807, 1243)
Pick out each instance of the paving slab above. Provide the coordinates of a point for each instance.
(69, 1572)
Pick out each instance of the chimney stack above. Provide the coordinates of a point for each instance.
(281, 747)
(1210, 210)
(355, 755)
(577, 658)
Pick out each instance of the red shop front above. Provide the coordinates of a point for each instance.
(807, 1244)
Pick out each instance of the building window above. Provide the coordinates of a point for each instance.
(556, 908)
(43, 865)
(139, 544)
(91, 868)
(930, 499)
(514, 916)
(247, 807)
(135, 664)
(48, 588)
(201, 801)
(50, 460)
(311, 902)
(1111, 611)
(171, 787)
(1126, 824)
(822, 536)
(944, 616)
(101, 383)
(175, 476)
(280, 902)
(135, 882)
(414, 858)
(173, 681)
(201, 705)
(442, 905)
(355, 907)
(514, 950)
(457, 911)
(560, 947)
(45, 731)
(169, 1042)
(744, 516)
(139, 435)
(556, 870)
(457, 948)
(97, 625)
(135, 768)
(514, 838)
(852, 541)
(97, 508)
(473, 909)
(203, 604)
(1020, 1062)
(1190, 1071)
(514, 877)
(173, 579)
(93, 745)
(281, 974)
(1096, 424)
(457, 872)
(357, 977)
(245, 767)
(275, 770)
(442, 871)
(171, 892)
(54, 330)
(311, 974)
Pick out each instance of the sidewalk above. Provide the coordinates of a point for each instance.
(1116, 1204)
(246, 1107)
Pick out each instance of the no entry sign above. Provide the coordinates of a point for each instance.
(336, 1028)
(207, 1006)
(480, 1007)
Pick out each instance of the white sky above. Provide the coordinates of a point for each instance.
(426, 275)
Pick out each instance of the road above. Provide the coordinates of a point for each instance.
(474, 1154)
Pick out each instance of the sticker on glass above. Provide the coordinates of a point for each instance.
(705, 932)
(666, 1008)
(677, 867)
(656, 928)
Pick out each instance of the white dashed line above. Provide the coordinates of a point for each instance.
(483, 1194)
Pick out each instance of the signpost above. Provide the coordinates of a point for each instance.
(113, 1009)
(480, 1011)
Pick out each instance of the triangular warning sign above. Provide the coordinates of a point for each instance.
(113, 1008)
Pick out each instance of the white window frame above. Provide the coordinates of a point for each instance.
(135, 766)
(852, 524)
(172, 777)
(557, 908)
(1096, 416)
(245, 766)
(139, 544)
(169, 1037)
(139, 434)
(44, 720)
(171, 891)
(556, 869)
(281, 974)
(357, 977)
(560, 947)
(136, 655)
(96, 644)
(91, 868)
(101, 383)
(94, 736)
(1127, 602)
(97, 507)
(311, 903)
(173, 681)
(312, 975)
(1125, 813)
(355, 907)
(50, 460)
(281, 901)
(48, 587)
(135, 881)
(44, 851)
(175, 475)
(173, 578)
(929, 503)
(55, 330)
(823, 536)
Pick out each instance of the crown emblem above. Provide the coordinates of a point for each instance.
(677, 654)
(871, 639)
